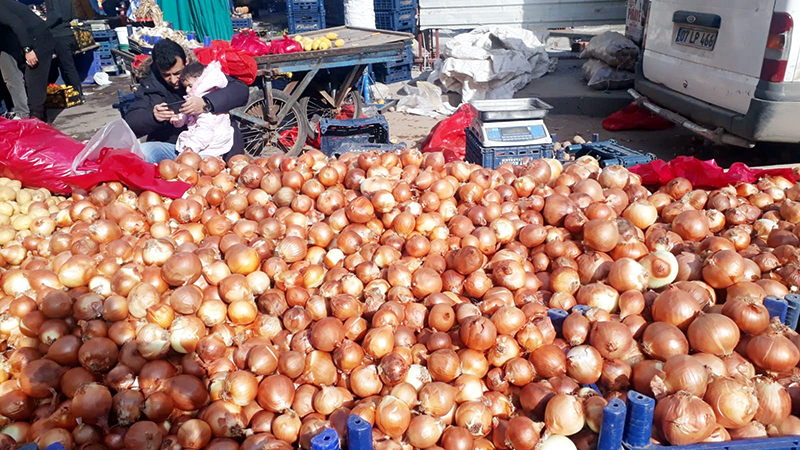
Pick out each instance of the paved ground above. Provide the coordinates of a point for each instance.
(577, 111)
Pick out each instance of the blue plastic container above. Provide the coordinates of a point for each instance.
(327, 440)
(300, 7)
(242, 23)
(394, 5)
(777, 307)
(359, 434)
(557, 316)
(304, 23)
(402, 20)
(793, 310)
(392, 73)
(609, 153)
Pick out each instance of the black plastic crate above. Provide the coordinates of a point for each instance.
(363, 147)
(491, 158)
(306, 22)
(609, 153)
(389, 74)
(137, 49)
(240, 23)
(394, 5)
(396, 20)
(335, 133)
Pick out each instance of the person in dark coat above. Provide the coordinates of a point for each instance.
(37, 49)
(59, 15)
(150, 116)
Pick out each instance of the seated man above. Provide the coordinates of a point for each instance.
(150, 116)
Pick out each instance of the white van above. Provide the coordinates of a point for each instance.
(730, 69)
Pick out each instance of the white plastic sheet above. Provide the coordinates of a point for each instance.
(492, 62)
(424, 100)
(116, 134)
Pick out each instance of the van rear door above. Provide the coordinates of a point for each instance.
(712, 50)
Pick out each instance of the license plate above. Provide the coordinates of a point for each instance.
(696, 37)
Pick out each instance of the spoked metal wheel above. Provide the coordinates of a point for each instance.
(289, 136)
(319, 107)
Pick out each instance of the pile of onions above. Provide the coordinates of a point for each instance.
(281, 295)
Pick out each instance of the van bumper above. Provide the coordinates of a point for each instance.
(765, 120)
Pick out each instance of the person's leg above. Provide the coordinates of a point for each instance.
(36, 82)
(15, 83)
(155, 152)
(65, 51)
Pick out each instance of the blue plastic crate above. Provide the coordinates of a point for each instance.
(335, 133)
(297, 7)
(124, 103)
(137, 49)
(109, 44)
(396, 20)
(104, 34)
(306, 22)
(242, 23)
(389, 74)
(609, 153)
(394, 5)
(793, 310)
(103, 53)
(491, 158)
(407, 58)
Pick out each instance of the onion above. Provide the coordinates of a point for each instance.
(564, 415)
(684, 419)
(662, 340)
(774, 402)
(713, 333)
(734, 401)
(662, 267)
(680, 373)
(611, 339)
(772, 351)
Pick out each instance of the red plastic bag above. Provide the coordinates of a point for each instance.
(633, 117)
(249, 42)
(36, 154)
(703, 173)
(285, 45)
(448, 136)
(235, 63)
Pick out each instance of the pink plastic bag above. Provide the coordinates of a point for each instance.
(36, 154)
(703, 173)
(235, 63)
(249, 42)
(285, 45)
(634, 117)
(449, 137)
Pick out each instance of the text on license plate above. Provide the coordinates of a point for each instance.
(696, 37)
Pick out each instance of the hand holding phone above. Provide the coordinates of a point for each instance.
(176, 106)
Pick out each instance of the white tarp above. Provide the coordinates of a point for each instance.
(491, 62)
(424, 100)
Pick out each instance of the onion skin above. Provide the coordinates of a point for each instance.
(684, 419)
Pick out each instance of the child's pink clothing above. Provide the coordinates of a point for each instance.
(207, 134)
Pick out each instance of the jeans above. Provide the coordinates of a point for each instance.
(15, 82)
(155, 152)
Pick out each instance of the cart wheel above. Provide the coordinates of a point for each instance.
(288, 138)
(317, 108)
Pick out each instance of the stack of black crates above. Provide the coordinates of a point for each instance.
(396, 15)
(305, 16)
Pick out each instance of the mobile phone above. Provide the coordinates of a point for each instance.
(176, 106)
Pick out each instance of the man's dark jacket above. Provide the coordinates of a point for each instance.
(59, 15)
(154, 90)
(29, 29)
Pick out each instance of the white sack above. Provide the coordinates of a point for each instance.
(359, 13)
(491, 62)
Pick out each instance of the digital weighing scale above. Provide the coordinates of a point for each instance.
(514, 122)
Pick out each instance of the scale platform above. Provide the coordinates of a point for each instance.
(509, 123)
